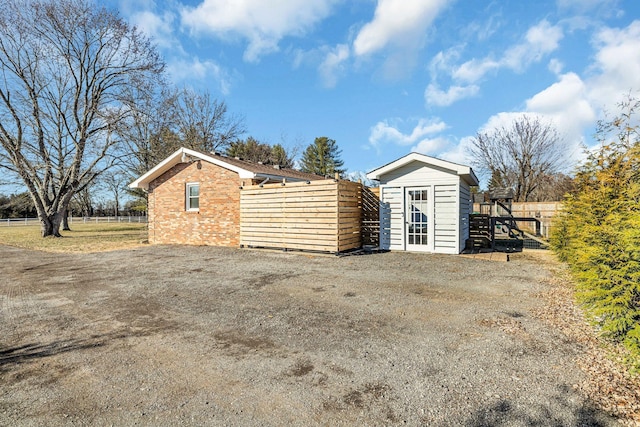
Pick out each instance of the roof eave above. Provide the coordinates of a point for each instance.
(144, 180)
(465, 172)
(474, 181)
(175, 158)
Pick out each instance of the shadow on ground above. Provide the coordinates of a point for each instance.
(504, 413)
(33, 351)
(28, 352)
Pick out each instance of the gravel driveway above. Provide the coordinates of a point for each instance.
(177, 335)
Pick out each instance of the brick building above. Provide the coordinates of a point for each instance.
(194, 197)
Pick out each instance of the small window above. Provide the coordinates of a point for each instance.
(193, 196)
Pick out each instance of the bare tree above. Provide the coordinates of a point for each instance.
(147, 130)
(82, 202)
(65, 68)
(553, 188)
(204, 123)
(164, 119)
(520, 156)
(114, 181)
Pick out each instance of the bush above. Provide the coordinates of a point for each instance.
(598, 232)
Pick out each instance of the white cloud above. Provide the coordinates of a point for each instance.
(433, 95)
(500, 120)
(194, 69)
(443, 61)
(333, 64)
(458, 153)
(555, 66)
(617, 66)
(569, 128)
(397, 22)
(567, 105)
(582, 6)
(430, 145)
(262, 23)
(572, 103)
(540, 40)
(484, 31)
(157, 27)
(474, 69)
(386, 132)
(568, 93)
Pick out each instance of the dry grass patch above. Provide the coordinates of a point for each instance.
(90, 237)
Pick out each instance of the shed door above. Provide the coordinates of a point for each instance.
(418, 219)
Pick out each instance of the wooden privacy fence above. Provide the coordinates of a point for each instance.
(322, 215)
(544, 212)
(370, 230)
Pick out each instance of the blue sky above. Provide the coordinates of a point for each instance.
(387, 77)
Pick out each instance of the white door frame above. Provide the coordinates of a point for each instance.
(418, 219)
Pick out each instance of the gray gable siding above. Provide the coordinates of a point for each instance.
(416, 174)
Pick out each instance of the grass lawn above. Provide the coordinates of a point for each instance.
(90, 237)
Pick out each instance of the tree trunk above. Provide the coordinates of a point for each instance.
(65, 220)
(50, 224)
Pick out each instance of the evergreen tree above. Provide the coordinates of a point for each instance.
(250, 149)
(255, 151)
(598, 233)
(280, 156)
(17, 206)
(322, 158)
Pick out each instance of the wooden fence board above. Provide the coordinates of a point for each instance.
(320, 215)
(544, 212)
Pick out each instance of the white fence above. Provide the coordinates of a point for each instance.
(75, 220)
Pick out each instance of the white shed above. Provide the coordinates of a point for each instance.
(424, 204)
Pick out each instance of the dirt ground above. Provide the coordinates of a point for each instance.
(169, 335)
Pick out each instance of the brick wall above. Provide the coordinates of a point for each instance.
(216, 223)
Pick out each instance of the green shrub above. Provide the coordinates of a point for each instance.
(598, 232)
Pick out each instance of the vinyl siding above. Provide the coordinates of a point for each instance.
(445, 218)
(391, 218)
(450, 210)
(417, 174)
(465, 210)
